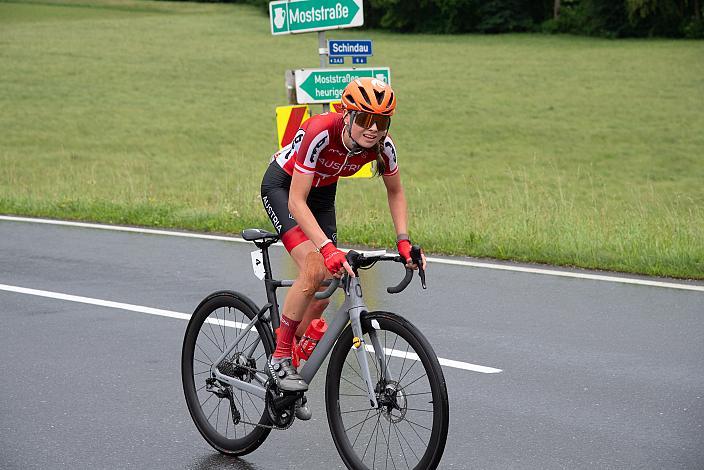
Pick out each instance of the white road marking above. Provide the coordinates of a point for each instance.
(474, 264)
(184, 316)
(443, 362)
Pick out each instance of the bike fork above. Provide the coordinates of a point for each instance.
(360, 349)
(354, 292)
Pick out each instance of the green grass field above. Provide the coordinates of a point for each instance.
(565, 150)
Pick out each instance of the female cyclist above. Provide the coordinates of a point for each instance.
(298, 192)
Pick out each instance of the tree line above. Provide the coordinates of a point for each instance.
(608, 18)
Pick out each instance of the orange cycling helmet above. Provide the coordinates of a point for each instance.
(369, 95)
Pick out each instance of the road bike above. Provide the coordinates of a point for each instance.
(385, 393)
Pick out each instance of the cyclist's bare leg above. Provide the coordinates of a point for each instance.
(315, 310)
(298, 301)
(300, 305)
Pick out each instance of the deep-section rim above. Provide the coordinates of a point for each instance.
(436, 444)
(217, 300)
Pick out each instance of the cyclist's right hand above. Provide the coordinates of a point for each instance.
(335, 260)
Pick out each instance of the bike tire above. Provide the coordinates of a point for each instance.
(223, 307)
(347, 400)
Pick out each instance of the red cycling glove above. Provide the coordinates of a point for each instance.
(334, 258)
(404, 249)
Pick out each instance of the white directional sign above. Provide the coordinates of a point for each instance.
(326, 85)
(299, 16)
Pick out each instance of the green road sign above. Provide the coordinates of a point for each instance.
(326, 85)
(299, 16)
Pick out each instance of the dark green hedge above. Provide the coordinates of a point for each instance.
(610, 18)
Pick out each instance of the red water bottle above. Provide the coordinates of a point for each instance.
(309, 341)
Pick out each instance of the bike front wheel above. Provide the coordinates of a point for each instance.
(409, 427)
(232, 421)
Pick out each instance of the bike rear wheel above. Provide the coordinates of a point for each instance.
(409, 428)
(214, 326)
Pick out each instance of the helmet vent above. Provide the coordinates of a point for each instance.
(379, 96)
(365, 95)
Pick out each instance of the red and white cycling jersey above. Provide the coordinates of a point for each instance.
(318, 149)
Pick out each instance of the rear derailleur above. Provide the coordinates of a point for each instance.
(220, 390)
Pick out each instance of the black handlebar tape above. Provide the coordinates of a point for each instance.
(404, 283)
(334, 284)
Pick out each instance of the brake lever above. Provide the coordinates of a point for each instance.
(418, 260)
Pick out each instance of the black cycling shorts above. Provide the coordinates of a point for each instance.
(321, 201)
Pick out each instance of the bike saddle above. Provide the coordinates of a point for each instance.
(251, 234)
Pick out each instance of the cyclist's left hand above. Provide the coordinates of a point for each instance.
(404, 249)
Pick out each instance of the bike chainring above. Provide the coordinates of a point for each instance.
(282, 418)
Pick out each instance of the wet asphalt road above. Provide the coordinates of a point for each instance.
(594, 374)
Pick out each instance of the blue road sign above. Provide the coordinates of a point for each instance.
(350, 48)
(337, 60)
(359, 60)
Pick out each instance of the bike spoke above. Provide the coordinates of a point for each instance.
(403, 364)
(222, 329)
(366, 418)
(247, 346)
(414, 381)
(217, 417)
(412, 426)
(353, 384)
(410, 447)
(355, 370)
(210, 325)
(205, 354)
(415, 394)
(388, 448)
(416, 409)
(209, 364)
(216, 407)
(400, 446)
(408, 371)
(370, 437)
(376, 441)
(388, 360)
(355, 411)
(227, 423)
(249, 395)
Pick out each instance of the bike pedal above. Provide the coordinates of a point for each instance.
(303, 412)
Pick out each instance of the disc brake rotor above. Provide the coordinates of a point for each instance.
(393, 402)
